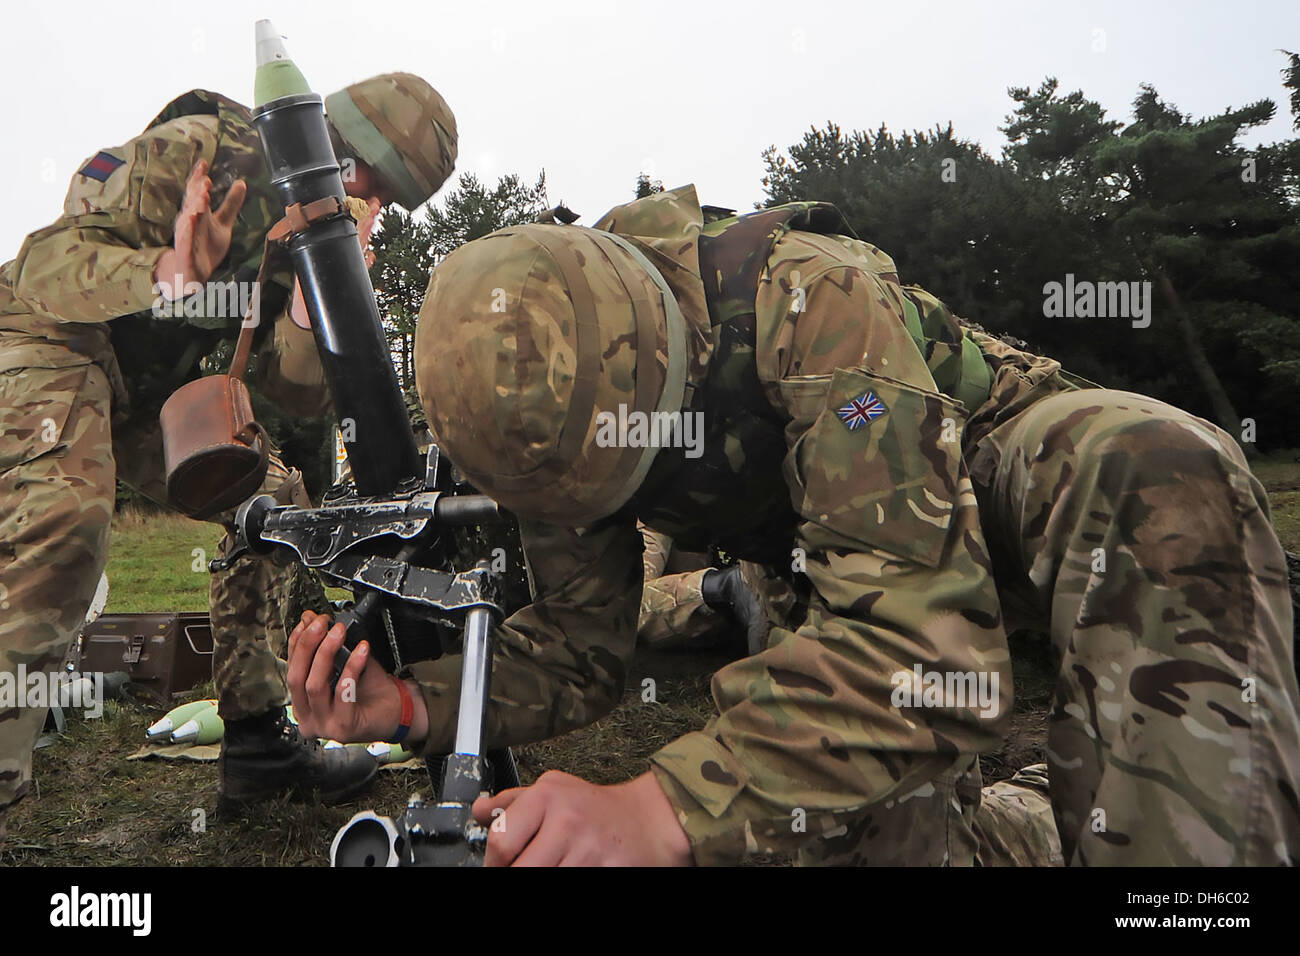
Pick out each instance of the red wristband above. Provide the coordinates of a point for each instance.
(408, 711)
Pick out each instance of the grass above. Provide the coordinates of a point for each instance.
(1280, 476)
(159, 562)
(94, 807)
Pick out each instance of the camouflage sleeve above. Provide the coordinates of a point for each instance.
(841, 713)
(96, 262)
(673, 612)
(559, 663)
(657, 546)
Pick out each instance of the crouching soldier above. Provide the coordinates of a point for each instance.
(922, 486)
(94, 337)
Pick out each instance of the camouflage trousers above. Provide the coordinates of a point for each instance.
(673, 612)
(59, 456)
(1133, 536)
(952, 821)
(674, 615)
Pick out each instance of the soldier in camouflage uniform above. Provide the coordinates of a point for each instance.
(924, 487)
(91, 346)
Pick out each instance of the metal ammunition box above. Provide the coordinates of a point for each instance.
(166, 653)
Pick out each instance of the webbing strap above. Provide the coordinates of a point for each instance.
(976, 377)
(912, 320)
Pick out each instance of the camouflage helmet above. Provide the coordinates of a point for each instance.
(399, 125)
(527, 340)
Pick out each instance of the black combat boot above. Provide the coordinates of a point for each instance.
(731, 593)
(265, 756)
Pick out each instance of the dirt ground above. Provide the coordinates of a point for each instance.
(96, 808)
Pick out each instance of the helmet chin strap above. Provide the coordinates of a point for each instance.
(674, 390)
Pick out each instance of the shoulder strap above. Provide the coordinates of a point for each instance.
(734, 252)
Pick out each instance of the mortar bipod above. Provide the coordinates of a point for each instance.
(442, 833)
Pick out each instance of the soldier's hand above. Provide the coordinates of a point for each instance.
(365, 705)
(365, 226)
(563, 820)
(201, 236)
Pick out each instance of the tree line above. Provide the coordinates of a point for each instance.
(1164, 203)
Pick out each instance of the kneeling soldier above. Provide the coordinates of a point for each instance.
(765, 384)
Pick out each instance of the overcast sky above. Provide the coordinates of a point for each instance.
(595, 92)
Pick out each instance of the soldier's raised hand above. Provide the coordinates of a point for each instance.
(201, 235)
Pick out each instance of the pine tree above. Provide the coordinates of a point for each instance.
(472, 210)
(1209, 223)
(407, 249)
(645, 186)
(1165, 198)
(403, 257)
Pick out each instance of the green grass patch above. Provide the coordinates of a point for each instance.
(1280, 476)
(159, 562)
